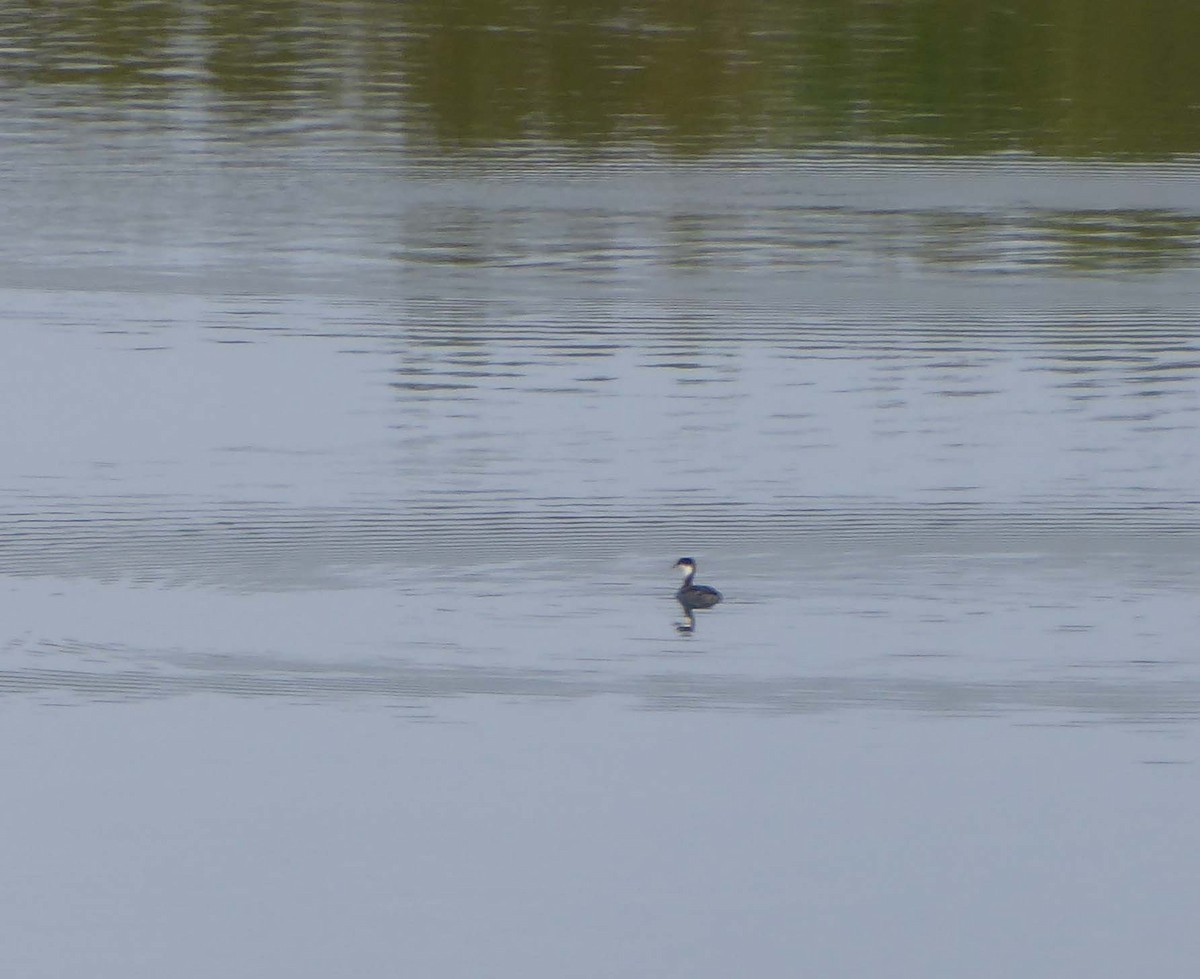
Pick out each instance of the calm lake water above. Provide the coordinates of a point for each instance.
(365, 374)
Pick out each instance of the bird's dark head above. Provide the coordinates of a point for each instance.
(686, 565)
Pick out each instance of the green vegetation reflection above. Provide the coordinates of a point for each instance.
(1069, 78)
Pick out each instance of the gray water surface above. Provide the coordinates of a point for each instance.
(345, 463)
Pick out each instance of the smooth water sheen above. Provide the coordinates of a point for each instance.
(364, 376)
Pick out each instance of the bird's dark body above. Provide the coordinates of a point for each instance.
(692, 595)
(698, 596)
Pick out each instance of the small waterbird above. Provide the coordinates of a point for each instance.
(694, 596)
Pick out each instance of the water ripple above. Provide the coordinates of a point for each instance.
(281, 547)
(411, 684)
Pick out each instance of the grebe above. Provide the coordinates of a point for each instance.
(694, 596)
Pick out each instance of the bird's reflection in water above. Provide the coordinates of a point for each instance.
(688, 625)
